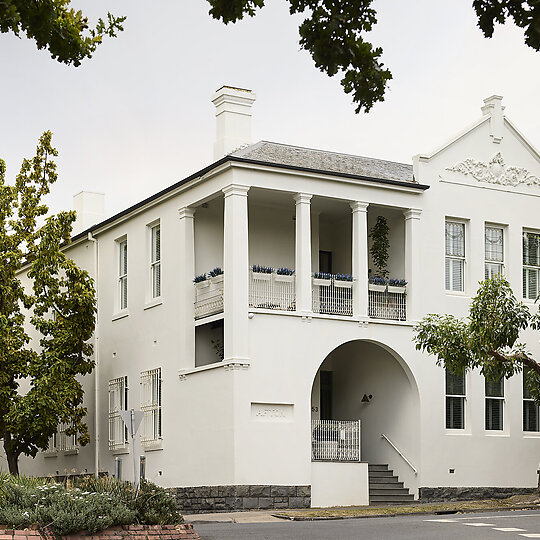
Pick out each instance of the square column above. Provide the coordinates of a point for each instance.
(360, 258)
(412, 262)
(186, 272)
(236, 270)
(303, 252)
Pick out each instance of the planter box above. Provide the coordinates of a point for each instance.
(343, 284)
(284, 277)
(202, 284)
(262, 276)
(217, 279)
(376, 288)
(322, 282)
(396, 290)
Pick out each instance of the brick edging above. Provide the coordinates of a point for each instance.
(183, 531)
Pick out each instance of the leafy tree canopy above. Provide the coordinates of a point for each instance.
(58, 301)
(487, 339)
(53, 25)
(333, 33)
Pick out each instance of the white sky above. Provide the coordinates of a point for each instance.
(137, 116)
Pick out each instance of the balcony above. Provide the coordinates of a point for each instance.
(208, 296)
(387, 302)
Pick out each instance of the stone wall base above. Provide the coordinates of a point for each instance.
(141, 532)
(432, 494)
(200, 499)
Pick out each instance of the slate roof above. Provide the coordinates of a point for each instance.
(320, 160)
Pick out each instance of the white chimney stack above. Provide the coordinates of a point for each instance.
(90, 208)
(233, 119)
(493, 108)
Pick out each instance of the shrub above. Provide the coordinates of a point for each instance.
(284, 272)
(343, 277)
(322, 275)
(88, 503)
(198, 279)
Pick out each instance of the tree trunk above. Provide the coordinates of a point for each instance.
(13, 461)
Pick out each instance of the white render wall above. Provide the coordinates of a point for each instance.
(216, 425)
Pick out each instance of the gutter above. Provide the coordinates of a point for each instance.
(96, 358)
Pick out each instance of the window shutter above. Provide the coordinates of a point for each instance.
(457, 275)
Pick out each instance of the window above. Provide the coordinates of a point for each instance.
(531, 264)
(494, 251)
(455, 256)
(530, 407)
(455, 401)
(118, 401)
(494, 404)
(61, 441)
(122, 274)
(151, 406)
(155, 261)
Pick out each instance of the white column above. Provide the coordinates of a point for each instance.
(412, 261)
(303, 252)
(186, 272)
(360, 258)
(236, 270)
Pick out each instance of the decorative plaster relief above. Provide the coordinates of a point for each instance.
(495, 172)
(272, 412)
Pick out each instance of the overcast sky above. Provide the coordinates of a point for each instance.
(138, 117)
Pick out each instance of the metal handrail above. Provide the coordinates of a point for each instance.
(383, 436)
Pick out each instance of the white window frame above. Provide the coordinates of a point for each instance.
(155, 261)
(452, 259)
(527, 401)
(493, 399)
(462, 397)
(492, 264)
(118, 401)
(529, 269)
(122, 268)
(151, 385)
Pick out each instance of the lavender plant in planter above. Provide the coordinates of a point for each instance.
(344, 281)
(201, 281)
(216, 275)
(322, 279)
(262, 273)
(377, 284)
(397, 286)
(284, 274)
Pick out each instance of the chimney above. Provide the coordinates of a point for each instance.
(233, 119)
(90, 208)
(493, 108)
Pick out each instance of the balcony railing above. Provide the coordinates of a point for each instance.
(209, 297)
(269, 290)
(335, 440)
(387, 302)
(332, 296)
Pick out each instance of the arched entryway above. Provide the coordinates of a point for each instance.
(368, 381)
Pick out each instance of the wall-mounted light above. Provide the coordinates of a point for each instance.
(366, 398)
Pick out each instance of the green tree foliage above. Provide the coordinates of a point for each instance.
(334, 34)
(53, 25)
(487, 339)
(58, 301)
(380, 245)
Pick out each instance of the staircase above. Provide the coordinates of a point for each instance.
(384, 487)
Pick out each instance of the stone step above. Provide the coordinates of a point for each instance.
(390, 498)
(388, 491)
(377, 467)
(381, 474)
(383, 479)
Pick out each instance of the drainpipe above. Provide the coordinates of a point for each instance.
(96, 358)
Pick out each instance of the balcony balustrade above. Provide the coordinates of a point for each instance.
(270, 290)
(332, 296)
(335, 440)
(209, 297)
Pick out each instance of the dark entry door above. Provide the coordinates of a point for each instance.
(326, 395)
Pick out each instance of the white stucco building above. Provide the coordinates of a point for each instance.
(234, 371)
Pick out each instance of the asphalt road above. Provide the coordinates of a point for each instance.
(485, 526)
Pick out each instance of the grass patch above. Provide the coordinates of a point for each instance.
(428, 508)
